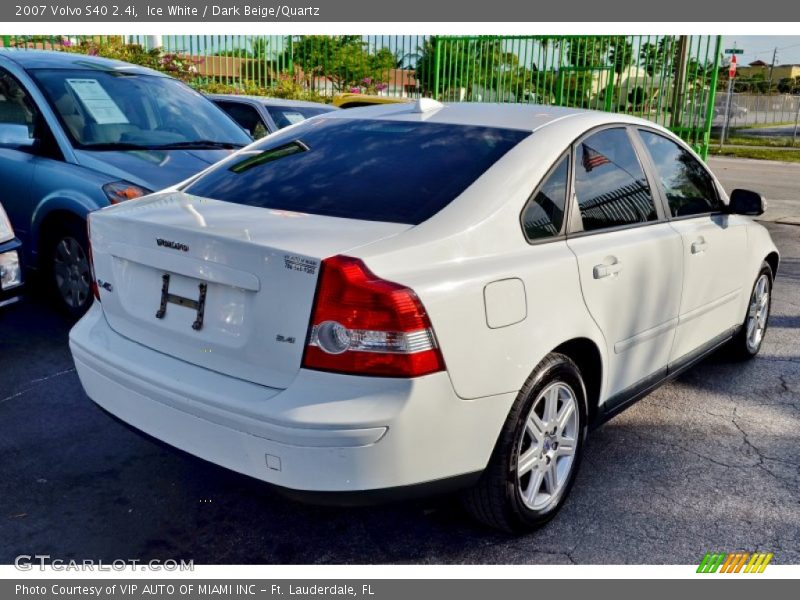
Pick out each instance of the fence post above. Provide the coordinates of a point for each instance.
(437, 61)
(609, 99)
(680, 75)
(711, 101)
(290, 56)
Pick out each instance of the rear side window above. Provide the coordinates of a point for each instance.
(610, 183)
(371, 170)
(689, 188)
(544, 215)
(286, 115)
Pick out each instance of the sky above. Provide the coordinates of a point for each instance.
(760, 47)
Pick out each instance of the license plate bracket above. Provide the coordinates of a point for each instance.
(198, 305)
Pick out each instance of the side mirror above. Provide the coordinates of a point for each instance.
(745, 202)
(15, 135)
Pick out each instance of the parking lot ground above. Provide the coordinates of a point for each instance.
(708, 462)
(778, 182)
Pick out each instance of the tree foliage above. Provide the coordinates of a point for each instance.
(345, 60)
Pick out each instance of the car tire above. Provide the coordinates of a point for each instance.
(67, 269)
(748, 340)
(516, 492)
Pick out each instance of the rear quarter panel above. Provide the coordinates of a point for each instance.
(451, 258)
(484, 361)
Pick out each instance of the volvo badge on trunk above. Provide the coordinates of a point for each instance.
(171, 244)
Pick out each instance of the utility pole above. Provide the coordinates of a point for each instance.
(771, 67)
(769, 83)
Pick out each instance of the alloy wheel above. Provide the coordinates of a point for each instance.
(758, 313)
(72, 272)
(547, 446)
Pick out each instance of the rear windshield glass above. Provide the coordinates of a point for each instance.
(359, 169)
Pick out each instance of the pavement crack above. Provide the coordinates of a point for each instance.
(35, 383)
(762, 456)
(745, 438)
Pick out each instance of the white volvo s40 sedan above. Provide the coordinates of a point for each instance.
(419, 297)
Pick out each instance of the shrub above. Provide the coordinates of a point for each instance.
(179, 66)
(283, 87)
(184, 67)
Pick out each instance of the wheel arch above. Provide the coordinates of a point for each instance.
(773, 260)
(51, 223)
(587, 356)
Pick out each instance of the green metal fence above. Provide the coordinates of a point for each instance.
(670, 80)
(666, 79)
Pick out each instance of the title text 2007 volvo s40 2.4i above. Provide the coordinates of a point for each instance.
(411, 297)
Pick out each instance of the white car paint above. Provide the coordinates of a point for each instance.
(631, 285)
(235, 393)
(714, 248)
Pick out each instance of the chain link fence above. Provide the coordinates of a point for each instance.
(751, 109)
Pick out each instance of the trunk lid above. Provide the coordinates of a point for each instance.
(224, 286)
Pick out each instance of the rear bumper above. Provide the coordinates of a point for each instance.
(325, 433)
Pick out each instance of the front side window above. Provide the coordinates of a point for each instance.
(117, 109)
(245, 115)
(372, 170)
(543, 217)
(16, 106)
(688, 186)
(610, 184)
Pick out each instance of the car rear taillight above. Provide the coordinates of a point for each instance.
(95, 289)
(364, 325)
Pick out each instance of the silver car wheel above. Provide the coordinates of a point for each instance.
(758, 313)
(547, 446)
(72, 273)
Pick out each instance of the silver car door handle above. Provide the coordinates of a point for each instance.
(601, 271)
(699, 246)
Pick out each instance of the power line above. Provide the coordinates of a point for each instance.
(766, 50)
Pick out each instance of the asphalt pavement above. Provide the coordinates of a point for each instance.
(778, 182)
(709, 462)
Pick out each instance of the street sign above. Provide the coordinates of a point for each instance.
(732, 67)
(734, 51)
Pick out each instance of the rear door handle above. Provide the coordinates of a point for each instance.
(699, 246)
(601, 271)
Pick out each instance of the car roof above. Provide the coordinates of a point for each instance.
(268, 101)
(525, 117)
(48, 59)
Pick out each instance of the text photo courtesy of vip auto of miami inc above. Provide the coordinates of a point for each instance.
(468, 298)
